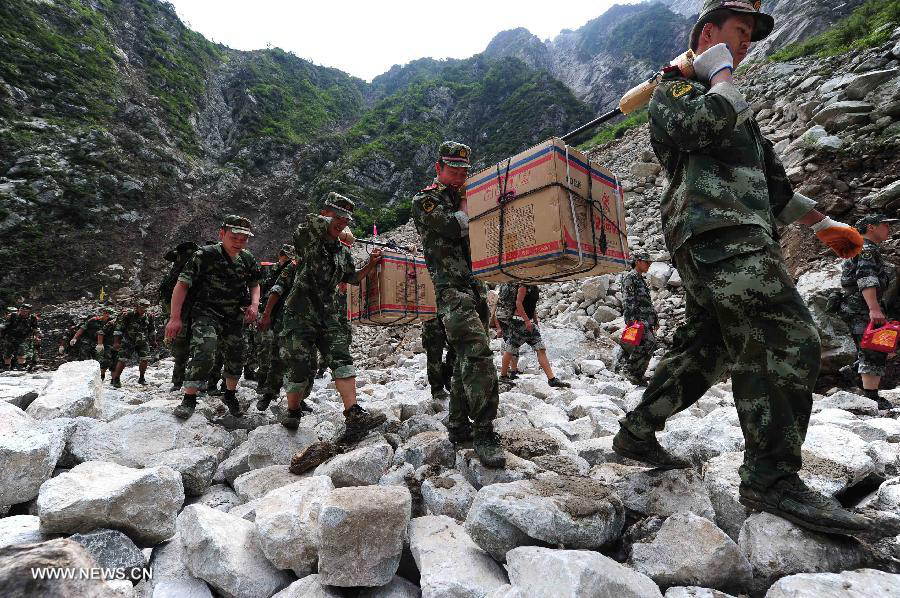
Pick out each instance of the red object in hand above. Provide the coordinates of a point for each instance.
(634, 334)
(884, 339)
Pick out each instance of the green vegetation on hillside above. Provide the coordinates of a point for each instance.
(868, 26)
(616, 130)
(634, 30)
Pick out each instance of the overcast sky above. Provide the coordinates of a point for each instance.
(366, 38)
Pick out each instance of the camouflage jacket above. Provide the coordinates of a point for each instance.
(91, 328)
(283, 286)
(637, 304)
(266, 287)
(722, 172)
(323, 264)
(133, 325)
(444, 231)
(220, 286)
(506, 300)
(866, 270)
(19, 327)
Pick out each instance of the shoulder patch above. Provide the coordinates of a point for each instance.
(680, 89)
(428, 204)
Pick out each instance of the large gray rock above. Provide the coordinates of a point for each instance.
(450, 563)
(695, 592)
(691, 550)
(699, 440)
(27, 458)
(448, 494)
(18, 564)
(470, 467)
(721, 478)
(541, 572)
(559, 510)
(72, 391)
(221, 549)
(256, 483)
(19, 391)
(311, 587)
(197, 466)
(152, 438)
(267, 446)
(114, 550)
(21, 529)
(865, 583)
(659, 274)
(171, 576)
(776, 547)
(656, 492)
(362, 532)
(143, 503)
(831, 113)
(860, 86)
(362, 466)
(835, 453)
(427, 448)
(218, 496)
(287, 524)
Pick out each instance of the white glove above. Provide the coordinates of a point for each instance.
(711, 62)
(72, 342)
(99, 348)
(827, 222)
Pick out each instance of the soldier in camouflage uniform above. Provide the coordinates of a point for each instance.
(130, 339)
(439, 213)
(20, 331)
(180, 345)
(864, 280)
(728, 192)
(517, 315)
(265, 337)
(224, 280)
(638, 307)
(6, 346)
(269, 325)
(87, 341)
(107, 339)
(313, 317)
(439, 368)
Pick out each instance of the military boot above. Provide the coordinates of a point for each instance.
(291, 418)
(557, 383)
(186, 409)
(793, 500)
(360, 422)
(116, 382)
(645, 450)
(230, 401)
(460, 436)
(142, 381)
(264, 401)
(883, 404)
(487, 447)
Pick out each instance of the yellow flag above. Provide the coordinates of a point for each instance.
(102, 294)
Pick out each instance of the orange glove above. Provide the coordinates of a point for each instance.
(842, 238)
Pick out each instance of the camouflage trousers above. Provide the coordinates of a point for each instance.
(16, 347)
(208, 335)
(134, 347)
(743, 312)
(271, 366)
(515, 335)
(298, 351)
(439, 368)
(251, 361)
(265, 339)
(872, 363)
(474, 394)
(635, 360)
(181, 351)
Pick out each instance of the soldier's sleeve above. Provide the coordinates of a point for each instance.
(432, 214)
(191, 269)
(787, 205)
(348, 268)
(282, 283)
(867, 269)
(692, 119)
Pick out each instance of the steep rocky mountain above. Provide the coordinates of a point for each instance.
(122, 131)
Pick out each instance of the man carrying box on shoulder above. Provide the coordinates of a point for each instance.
(728, 193)
(439, 212)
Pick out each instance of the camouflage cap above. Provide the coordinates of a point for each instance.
(287, 250)
(342, 206)
(764, 23)
(12, 309)
(455, 154)
(237, 224)
(874, 218)
(25, 306)
(642, 256)
(144, 302)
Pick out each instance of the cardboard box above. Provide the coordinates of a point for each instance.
(398, 291)
(544, 185)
